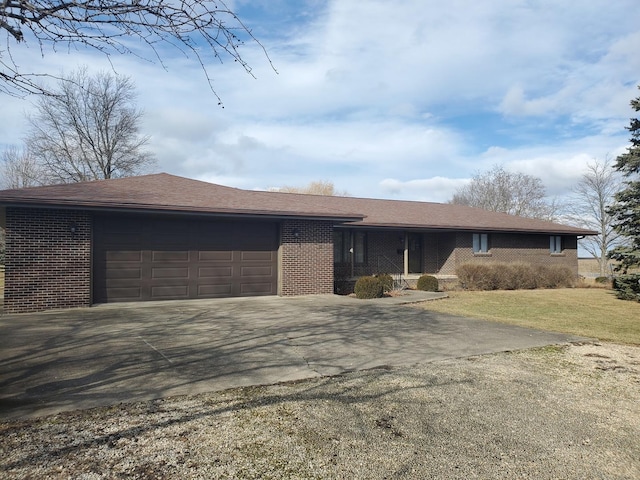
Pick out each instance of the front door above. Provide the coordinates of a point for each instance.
(415, 253)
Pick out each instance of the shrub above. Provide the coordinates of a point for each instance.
(556, 276)
(369, 287)
(476, 276)
(602, 280)
(513, 276)
(386, 280)
(427, 283)
(627, 287)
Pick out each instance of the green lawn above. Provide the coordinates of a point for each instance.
(591, 312)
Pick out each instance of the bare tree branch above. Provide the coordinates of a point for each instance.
(592, 195)
(19, 169)
(514, 193)
(202, 29)
(89, 129)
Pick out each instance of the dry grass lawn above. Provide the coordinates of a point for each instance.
(592, 312)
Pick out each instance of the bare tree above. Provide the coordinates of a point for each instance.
(204, 29)
(592, 195)
(318, 187)
(89, 129)
(500, 191)
(20, 169)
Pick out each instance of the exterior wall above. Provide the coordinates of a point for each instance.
(47, 266)
(305, 261)
(442, 253)
(508, 248)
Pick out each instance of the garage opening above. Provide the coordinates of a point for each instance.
(139, 258)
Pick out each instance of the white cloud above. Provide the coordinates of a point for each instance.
(435, 189)
(403, 101)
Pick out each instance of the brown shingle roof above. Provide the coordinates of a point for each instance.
(164, 192)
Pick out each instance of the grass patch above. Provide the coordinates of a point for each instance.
(580, 311)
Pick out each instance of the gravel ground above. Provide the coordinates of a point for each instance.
(569, 412)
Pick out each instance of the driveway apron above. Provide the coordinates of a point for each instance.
(82, 358)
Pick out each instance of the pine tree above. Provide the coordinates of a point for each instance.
(626, 213)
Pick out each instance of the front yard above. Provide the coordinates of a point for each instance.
(590, 312)
(562, 411)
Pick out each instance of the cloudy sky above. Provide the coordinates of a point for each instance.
(401, 100)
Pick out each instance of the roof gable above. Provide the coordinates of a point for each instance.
(169, 193)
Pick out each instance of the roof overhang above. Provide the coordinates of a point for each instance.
(190, 211)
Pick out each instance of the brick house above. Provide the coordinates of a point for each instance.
(161, 237)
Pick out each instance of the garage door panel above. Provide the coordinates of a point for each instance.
(215, 256)
(170, 256)
(138, 258)
(124, 294)
(263, 288)
(172, 292)
(169, 272)
(123, 256)
(256, 271)
(215, 272)
(216, 290)
(265, 256)
(124, 273)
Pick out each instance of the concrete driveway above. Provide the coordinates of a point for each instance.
(65, 360)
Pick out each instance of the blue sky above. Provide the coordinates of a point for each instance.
(402, 100)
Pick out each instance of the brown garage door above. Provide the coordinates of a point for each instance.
(142, 258)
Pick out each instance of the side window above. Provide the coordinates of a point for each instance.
(555, 244)
(480, 243)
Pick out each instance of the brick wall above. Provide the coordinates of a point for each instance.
(507, 248)
(306, 261)
(442, 253)
(385, 253)
(47, 266)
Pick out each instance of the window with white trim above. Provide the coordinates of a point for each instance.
(480, 243)
(555, 244)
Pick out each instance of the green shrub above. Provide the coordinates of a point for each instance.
(386, 280)
(369, 287)
(513, 276)
(627, 287)
(602, 280)
(427, 283)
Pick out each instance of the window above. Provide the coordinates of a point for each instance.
(555, 244)
(480, 243)
(360, 247)
(342, 246)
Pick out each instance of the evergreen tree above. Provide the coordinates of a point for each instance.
(626, 213)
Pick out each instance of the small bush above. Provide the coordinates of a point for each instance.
(369, 287)
(627, 287)
(602, 280)
(556, 276)
(427, 283)
(476, 276)
(513, 276)
(386, 280)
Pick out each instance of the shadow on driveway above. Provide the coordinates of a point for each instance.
(82, 358)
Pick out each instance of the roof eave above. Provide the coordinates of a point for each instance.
(467, 228)
(172, 209)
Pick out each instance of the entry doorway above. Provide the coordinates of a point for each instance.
(415, 252)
